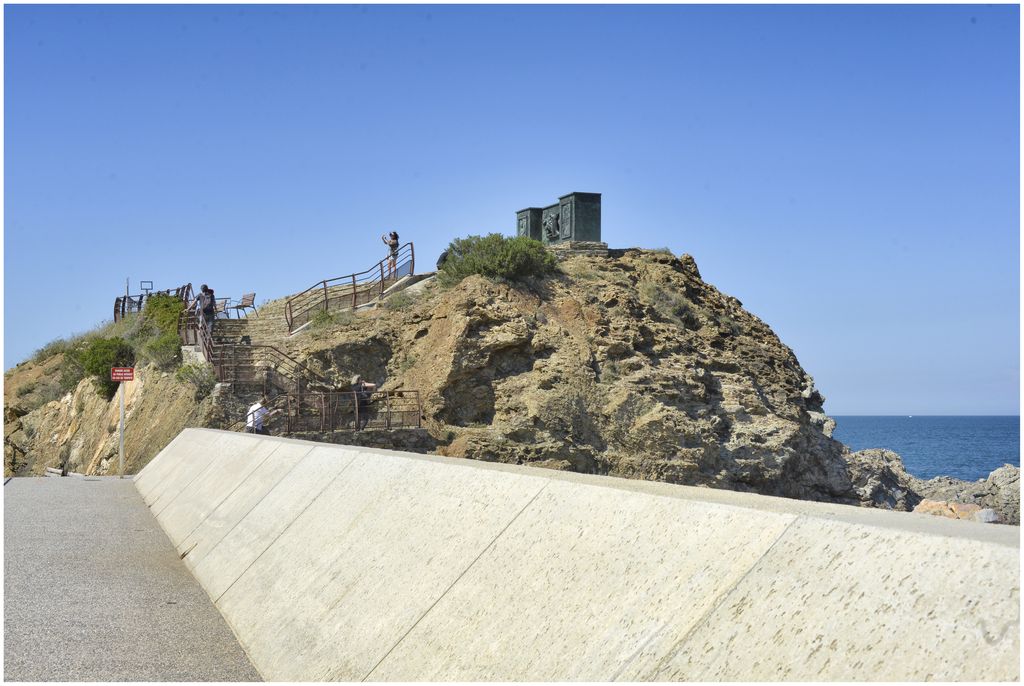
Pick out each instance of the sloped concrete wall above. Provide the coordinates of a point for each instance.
(340, 563)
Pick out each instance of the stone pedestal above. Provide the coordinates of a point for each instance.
(567, 249)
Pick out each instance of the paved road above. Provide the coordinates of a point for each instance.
(94, 591)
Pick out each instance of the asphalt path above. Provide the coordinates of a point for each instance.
(94, 591)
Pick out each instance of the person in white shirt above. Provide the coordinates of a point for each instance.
(256, 415)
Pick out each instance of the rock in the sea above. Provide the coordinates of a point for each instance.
(1000, 491)
(881, 480)
(954, 510)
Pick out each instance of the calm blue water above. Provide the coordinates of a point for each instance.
(964, 447)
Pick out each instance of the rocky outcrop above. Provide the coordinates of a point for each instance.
(628, 365)
(999, 492)
(80, 429)
(955, 510)
(881, 481)
(625, 363)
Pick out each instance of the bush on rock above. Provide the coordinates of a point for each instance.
(496, 257)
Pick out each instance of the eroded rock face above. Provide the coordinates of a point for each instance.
(81, 428)
(1000, 492)
(628, 365)
(956, 510)
(882, 481)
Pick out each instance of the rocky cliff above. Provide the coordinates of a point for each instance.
(629, 365)
(80, 428)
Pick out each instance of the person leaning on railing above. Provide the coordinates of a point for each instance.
(362, 391)
(256, 415)
(391, 240)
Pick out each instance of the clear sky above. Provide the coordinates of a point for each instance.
(851, 173)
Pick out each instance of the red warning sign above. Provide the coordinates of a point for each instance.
(122, 373)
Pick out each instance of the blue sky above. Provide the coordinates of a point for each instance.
(851, 173)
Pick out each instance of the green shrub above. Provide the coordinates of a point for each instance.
(72, 368)
(95, 359)
(495, 257)
(162, 311)
(200, 376)
(399, 301)
(164, 351)
(51, 349)
(48, 392)
(406, 363)
(151, 332)
(673, 306)
(730, 325)
(26, 389)
(323, 321)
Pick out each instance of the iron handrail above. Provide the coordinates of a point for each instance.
(318, 297)
(334, 411)
(133, 304)
(227, 355)
(192, 330)
(276, 404)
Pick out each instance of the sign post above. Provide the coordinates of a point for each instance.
(122, 374)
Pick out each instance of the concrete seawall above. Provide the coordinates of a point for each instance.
(339, 563)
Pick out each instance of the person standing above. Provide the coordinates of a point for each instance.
(391, 240)
(207, 306)
(362, 392)
(256, 415)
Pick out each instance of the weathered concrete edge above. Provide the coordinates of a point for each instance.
(904, 521)
(822, 520)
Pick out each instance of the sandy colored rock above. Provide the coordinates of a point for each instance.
(626, 364)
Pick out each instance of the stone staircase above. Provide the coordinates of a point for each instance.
(266, 328)
(253, 353)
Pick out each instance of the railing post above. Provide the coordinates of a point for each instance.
(412, 259)
(355, 404)
(326, 302)
(381, 265)
(353, 291)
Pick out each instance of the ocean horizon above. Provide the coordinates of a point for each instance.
(967, 447)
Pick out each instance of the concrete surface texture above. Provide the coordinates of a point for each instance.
(93, 591)
(342, 563)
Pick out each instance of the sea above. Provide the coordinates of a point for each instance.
(967, 448)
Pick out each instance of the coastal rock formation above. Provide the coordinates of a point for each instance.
(955, 510)
(882, 481)
(626, 364)
(1000, 492)
(80, 428)
(629, 365)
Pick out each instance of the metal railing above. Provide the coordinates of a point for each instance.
(346, 292)
(250, 365)
(339, 411)
(192, 330)
(134, 304)
(276, 405)
(263, 366)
